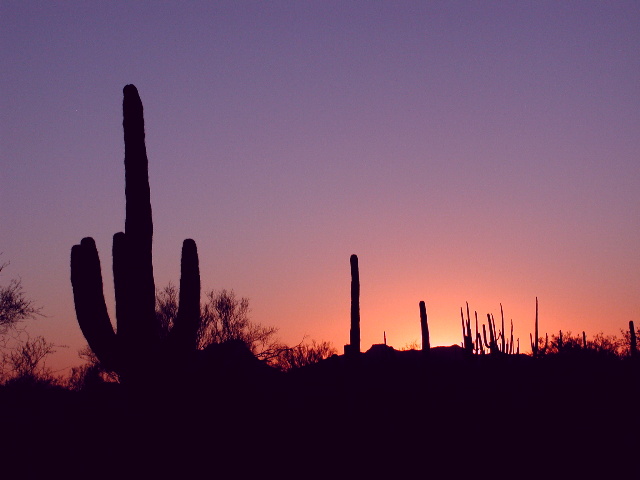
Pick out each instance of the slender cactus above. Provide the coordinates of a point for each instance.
(511, 339)
(492, 344)
(534, 341)
(503, 346)
(467, 339)
(424, 327)
(632, 340)
(560, 343)
(545, 349)
(136, 349)
(354, 333)
(479, 346)
(484, 336)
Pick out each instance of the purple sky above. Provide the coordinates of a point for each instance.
(486, 152)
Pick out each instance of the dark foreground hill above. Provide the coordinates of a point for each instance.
(384, 411)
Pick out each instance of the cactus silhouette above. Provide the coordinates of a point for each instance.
(424, 327)
(503, 344)
(354, 332)
(466, 332)
(135, 351)
(492, 344)
(534, 341)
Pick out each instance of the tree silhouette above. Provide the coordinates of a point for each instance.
(26, 362)
(304, 354)
(14, 304)
(91, 373)
(223, 318)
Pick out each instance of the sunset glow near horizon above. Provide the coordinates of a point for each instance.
(466, 151)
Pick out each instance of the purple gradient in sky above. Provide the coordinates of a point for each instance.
(466, 151)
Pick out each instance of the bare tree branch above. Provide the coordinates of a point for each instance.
(14, 305)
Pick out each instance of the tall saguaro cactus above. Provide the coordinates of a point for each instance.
(135, 349)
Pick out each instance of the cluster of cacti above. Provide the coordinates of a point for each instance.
(496, 343)
(135, 351)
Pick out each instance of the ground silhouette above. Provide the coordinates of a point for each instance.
(383, 409)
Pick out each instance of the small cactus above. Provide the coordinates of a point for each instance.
(492, 344)
(478, 342)
(467, 343)
(534, 340)
(560, 343)
(503, 345)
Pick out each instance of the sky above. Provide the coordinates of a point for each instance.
(480, 152)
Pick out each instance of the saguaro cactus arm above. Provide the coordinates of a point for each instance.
(91, 309)
(185, 330)
(121, 280)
